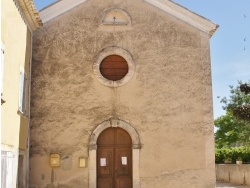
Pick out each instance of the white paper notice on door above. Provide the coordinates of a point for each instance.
(103, 162)
(124, 160)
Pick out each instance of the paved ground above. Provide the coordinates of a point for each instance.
(228, 185)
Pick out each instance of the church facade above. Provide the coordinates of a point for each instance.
(121, 96)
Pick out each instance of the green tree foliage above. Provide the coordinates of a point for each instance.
(234, 154)
(243, 111)
(231, 131)
(245, 88)
(239, 101)
(234, 127)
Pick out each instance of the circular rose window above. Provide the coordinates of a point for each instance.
(114, 67)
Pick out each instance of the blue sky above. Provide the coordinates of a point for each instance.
(230, 54)
(230, 62)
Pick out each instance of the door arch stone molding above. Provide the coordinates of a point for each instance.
(114, 123)
(136, 146)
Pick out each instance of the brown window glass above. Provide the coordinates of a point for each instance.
(114, 67)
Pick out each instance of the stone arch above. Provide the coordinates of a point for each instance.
(122, 17)
(114, 123)
(136, 146)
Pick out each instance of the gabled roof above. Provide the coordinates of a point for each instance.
(57, 8)
(29, 13)
(168, 6)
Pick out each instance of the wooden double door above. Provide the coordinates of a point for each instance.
(114, 159)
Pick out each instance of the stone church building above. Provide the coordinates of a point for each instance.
(121, 96)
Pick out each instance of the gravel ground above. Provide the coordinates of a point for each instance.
(229, 185)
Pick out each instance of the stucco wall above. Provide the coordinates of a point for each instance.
(168, 100)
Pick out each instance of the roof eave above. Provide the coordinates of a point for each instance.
(29, 13)
(185, 15)
(58, 8)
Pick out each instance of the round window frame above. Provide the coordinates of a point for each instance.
(116, 74)
(114, 51)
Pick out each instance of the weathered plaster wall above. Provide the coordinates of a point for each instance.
(234, 173)
(168, 100)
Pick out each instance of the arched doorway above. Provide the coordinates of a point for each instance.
(114, 159)
(136, 146)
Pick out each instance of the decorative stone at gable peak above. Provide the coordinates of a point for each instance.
(115, 16)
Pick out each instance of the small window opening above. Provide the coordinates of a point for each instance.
(114, 67)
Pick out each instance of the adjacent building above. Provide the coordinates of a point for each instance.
(18, 21)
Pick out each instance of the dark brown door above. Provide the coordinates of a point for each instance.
(114, 159)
